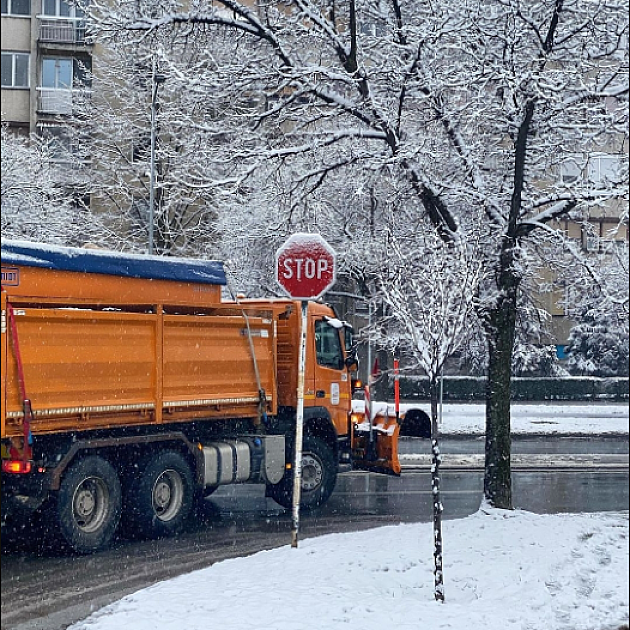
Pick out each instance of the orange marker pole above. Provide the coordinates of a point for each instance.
(397, 387)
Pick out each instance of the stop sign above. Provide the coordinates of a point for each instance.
(306, 266)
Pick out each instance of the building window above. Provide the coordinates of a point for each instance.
(63, 73)
(591, 237)
(16, 7)
(62, 23)
(603, 169)
(570, 171)
(373, 29)
(15, 70)
(60, 145)
(61, 9)
(57, 73)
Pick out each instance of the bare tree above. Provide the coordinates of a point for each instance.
(137, 148)
(430, 288)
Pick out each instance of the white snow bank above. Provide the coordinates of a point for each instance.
(504, 571)
(569, 418)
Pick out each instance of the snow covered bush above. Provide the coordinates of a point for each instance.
(35, 205)
(598, 347)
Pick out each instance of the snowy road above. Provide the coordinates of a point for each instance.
(48, 592)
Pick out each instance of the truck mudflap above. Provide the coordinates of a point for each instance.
(375, 448)
(22, 495)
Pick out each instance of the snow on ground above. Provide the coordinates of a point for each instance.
(504, 571)
(548, 419)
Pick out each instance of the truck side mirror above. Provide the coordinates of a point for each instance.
(352, 363)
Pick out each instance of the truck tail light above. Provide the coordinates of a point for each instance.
(16, 467)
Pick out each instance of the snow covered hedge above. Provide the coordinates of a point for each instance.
(574, 388)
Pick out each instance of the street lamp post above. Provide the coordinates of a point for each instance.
(156, 80)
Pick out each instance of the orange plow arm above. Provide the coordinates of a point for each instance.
(380, 453)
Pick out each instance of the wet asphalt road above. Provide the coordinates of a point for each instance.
(42, 590)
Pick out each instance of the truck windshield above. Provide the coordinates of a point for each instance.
(329, 349)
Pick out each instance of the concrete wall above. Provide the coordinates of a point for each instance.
(16, 34)
(16, 106)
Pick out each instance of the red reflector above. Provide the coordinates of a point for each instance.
(16, 467)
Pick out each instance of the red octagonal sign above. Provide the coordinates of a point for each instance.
(306, 266)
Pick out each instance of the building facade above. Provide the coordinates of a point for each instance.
(45, 56)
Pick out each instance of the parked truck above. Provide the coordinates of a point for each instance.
(131, 389)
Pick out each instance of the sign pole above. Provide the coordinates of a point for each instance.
(305, 268)
(299, 430)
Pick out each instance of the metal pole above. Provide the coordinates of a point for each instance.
(370, 402)
(442, 398)
(299, 430)
(154, 86)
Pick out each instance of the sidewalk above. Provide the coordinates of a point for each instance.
(531, 462)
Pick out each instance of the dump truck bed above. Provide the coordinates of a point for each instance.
(112, 340)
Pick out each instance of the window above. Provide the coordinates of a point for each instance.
(591, 236)
(328, 343)
(15, 70)
(62, 73)
(62, 23)
(570, 171)
(603, 169)
(16, 7)
(60, 145)
(373, 29)
(61, 9)
(57, 73)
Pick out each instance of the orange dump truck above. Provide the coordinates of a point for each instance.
(130, 389)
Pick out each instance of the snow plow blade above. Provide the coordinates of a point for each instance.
(380, 453)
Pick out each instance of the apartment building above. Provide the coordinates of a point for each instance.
(45, 55)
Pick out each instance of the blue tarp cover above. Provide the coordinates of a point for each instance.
(112, 263)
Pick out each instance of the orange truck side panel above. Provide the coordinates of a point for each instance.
(99, 351)
(209, 358)
(77, 360)
(4, 354)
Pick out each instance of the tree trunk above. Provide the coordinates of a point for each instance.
(436, 481)
(501, 333)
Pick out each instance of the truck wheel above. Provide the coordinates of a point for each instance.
(89, 505)
(319, 477)
(161, 498)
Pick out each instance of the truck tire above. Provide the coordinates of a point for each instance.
(319, 477)
(89, 505)
(161, 497)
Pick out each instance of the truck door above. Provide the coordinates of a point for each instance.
(375, 450)
(331, 387)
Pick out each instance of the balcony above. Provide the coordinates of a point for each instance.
(54, 101)
(63, 31)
